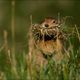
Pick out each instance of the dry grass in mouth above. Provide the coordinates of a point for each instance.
(43, 33)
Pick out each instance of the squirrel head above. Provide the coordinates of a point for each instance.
(49, 22)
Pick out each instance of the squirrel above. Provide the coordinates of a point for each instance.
(49, 42)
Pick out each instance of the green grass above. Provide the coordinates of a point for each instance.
(68, 69)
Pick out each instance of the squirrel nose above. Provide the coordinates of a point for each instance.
(46, 25)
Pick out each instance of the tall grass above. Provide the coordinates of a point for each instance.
(14, 68)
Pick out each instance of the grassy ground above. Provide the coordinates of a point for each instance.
(13, 63)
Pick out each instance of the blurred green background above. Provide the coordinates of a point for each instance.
(39, 9)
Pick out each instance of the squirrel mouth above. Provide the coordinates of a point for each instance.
(50, 37)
